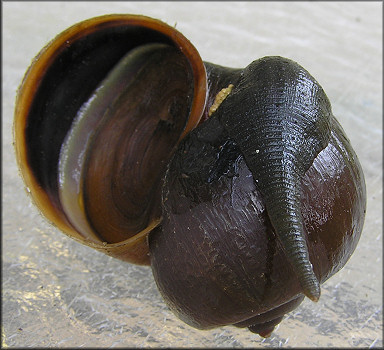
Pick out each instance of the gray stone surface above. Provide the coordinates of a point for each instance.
(58, 293)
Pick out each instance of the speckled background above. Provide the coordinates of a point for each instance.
(58, 293)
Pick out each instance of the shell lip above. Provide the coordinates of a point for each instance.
(33, 78)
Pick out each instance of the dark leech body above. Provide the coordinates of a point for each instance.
(280, 136)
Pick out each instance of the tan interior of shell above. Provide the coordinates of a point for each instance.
(135, 249)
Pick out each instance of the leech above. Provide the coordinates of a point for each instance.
(220, 97)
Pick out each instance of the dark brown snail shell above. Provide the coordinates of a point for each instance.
(232, 266)
(242, 180)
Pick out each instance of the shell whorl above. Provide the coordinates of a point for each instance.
(280, 137)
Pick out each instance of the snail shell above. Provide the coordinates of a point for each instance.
(226, 199)
(242, 180)
(77, 75)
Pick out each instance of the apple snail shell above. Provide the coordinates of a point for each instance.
(63, 79)
(242, 180)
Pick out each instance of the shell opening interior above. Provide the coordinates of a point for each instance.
(109, 110)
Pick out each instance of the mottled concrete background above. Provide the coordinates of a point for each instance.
(58, 293)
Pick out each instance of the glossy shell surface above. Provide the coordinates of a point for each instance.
(218, 227)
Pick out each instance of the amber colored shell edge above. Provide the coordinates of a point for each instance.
(134, 249)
